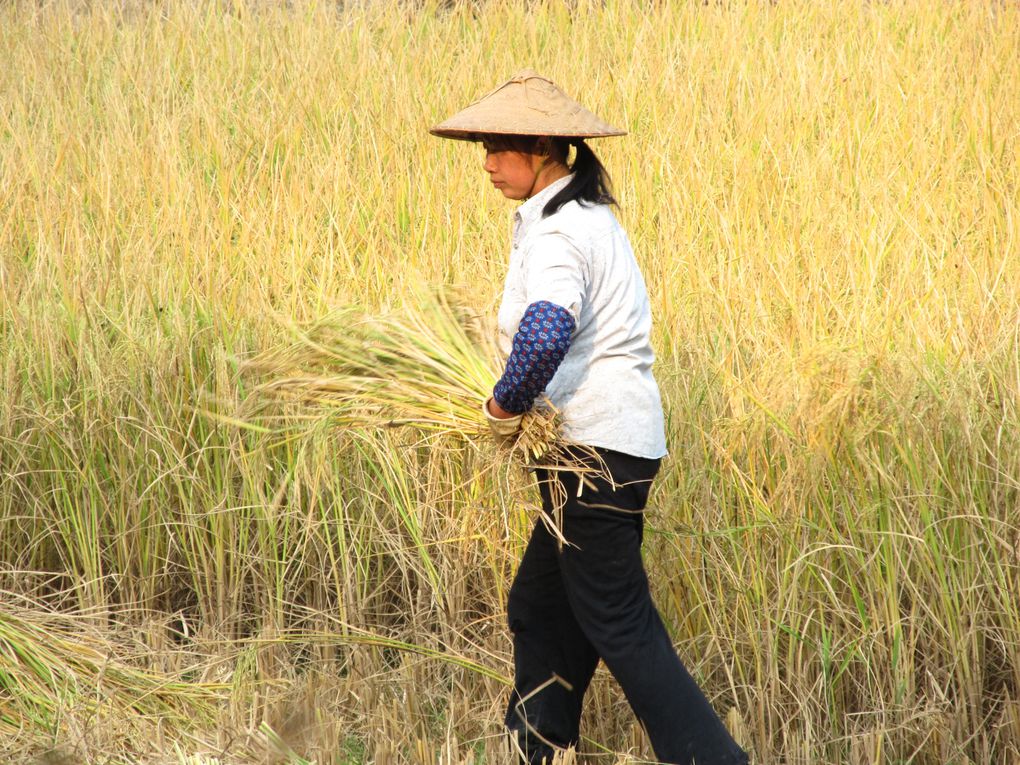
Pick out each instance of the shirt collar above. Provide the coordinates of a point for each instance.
(531, 210)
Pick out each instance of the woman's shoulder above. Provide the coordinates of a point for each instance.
(579, 220)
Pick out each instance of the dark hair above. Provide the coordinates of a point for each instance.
(590, 184)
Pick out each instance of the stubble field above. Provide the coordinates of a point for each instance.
(825, 202)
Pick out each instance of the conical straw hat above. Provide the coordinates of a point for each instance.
(526, 104)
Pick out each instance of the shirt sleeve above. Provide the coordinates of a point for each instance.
(541, 342)
(557, 272)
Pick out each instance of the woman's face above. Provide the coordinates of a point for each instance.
(512, 166)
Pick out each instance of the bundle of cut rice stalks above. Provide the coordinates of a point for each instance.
(428, 366)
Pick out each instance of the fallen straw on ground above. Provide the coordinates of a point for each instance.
(55, 671)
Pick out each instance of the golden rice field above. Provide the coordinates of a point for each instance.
(825, 201)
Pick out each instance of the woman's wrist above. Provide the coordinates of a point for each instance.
(497, 411)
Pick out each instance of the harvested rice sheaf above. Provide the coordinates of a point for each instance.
(428, 365)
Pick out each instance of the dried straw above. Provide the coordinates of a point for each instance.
(52, 666)
(427, 365)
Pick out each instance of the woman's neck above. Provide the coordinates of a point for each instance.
(547, 176)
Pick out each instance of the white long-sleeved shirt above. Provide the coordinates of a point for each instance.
(580, 258)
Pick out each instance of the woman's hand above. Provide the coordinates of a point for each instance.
(503, 424)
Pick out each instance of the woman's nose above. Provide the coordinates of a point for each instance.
(490, 162)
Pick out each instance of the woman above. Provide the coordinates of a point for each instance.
(575, 323)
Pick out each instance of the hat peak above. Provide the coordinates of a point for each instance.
(527, 74)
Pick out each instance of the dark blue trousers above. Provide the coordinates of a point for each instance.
(572, 605)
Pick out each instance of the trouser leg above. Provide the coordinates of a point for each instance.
(553, 660)
(607, 589)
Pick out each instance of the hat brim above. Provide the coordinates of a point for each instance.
(465, 134)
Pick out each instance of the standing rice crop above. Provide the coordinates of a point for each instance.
(823, 198)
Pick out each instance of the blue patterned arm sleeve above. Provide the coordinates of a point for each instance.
(541, 342)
